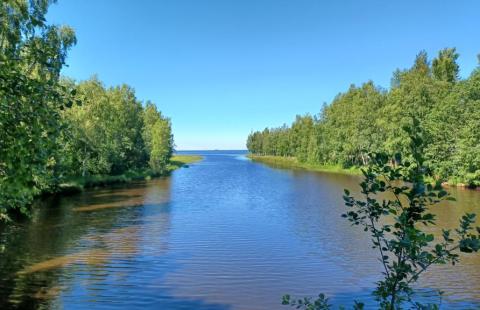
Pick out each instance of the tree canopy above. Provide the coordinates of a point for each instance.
(368, 119)
(52, 128)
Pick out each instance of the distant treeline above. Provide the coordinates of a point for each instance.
(53, 129)
(369, 119)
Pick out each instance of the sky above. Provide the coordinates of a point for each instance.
(222, 68)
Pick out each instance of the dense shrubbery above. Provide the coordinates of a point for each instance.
(369, 119)
(52, 129)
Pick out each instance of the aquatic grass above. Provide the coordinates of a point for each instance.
(91, 257)
(293, 163)
(119, 246)
(179, 160)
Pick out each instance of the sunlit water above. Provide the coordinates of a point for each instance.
(225, 233)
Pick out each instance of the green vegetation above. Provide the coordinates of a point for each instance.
(399, 227)
(78, 183)
(182, 160)
(369, 119)
(292, 162)
(59, 135)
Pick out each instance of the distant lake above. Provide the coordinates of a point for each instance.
(224, 233)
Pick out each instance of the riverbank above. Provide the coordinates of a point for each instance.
(293, 163)
(178, 161)
(78, 184)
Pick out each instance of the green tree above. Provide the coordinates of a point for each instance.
(406, 251)
(89, 144)
(396, 225)
(161, 143)
(369, 119)
(32, 54)
(466, 154)
(158, 137)
(351, 125)
(105, 130)
(300, 136)
(124, 129)
(445, 67)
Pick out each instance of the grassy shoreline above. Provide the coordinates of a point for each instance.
(178, 161)
(78, 184)
(293, 163)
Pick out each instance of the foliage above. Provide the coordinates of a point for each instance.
(368, 119)
(53, 129)
(31, 56)
(321, 303)
(293, 163)
(395, 210)
(106, 132)
(158, 138)
(306, 303)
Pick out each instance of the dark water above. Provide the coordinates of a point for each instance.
(225, 233)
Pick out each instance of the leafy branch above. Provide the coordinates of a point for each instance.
(395, 208)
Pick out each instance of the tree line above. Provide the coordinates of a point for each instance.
(368, 119)
(53, 128)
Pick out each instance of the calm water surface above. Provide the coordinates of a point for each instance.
(225, 233)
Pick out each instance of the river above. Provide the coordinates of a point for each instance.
(224, 233)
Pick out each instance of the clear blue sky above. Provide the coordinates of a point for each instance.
(221, 68)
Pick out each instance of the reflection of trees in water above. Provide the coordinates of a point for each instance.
(92, 240)
(463, 280)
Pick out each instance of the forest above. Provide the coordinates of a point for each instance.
(54, 129)
(368, 119)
